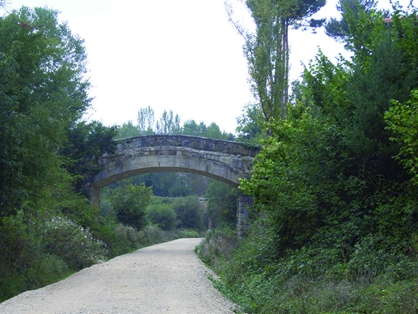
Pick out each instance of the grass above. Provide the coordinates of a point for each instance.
(309, 282)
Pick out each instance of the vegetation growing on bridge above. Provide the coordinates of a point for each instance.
(336, 199)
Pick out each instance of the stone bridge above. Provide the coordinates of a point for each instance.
(222, 160)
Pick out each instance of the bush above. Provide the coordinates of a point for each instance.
(162, 215)
(217, 245)
(189, 213)
(189, 233)
(312, 279)
(74, 244)
(130, 203)
(24, 265)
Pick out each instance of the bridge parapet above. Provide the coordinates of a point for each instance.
(192, 142)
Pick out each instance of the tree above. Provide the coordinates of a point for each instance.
(130, 203)
(43, 92)
(213, 131)
(222, 205)
(162, 215)
(168, 123)
(402, 119)
(250, 125)
(339, 29)
(267, 50)
(190, 127)
(329, 169)
(189, 212)
(86, 143)
(146, 121)
(128, 130)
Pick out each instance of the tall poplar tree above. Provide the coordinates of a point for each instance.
(267, 48)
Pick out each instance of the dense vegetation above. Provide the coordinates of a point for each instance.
(334, 225)
(49, 153)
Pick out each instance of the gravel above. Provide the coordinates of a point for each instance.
(163, 278)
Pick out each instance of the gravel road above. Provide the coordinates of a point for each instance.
(163, 278)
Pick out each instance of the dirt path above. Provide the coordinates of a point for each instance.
(163, 278)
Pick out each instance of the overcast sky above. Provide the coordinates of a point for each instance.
(179, 55)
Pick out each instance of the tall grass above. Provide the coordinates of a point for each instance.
(310, 280)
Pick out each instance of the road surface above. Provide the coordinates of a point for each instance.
(163, 278)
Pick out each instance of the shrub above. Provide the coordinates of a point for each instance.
(24, 265)
(189, 233)
(162, 215)
(189, 212)
(74, 244)
(130, 203)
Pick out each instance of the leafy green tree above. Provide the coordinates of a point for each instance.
(162, 215)
(85, 144)
(128, 130)
(43, 92)
(190, 127)
(130, 203)
(294, 177)
(402, 119)
(339, 29)
(222, 205)
(250, 125)
(213, 131)
(332, 159)
(198, 183)
(189, 212)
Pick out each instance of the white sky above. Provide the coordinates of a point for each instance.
(179, 55)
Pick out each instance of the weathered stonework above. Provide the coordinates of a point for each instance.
(222, 160)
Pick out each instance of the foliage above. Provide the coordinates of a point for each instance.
(309, 280)
(87, 142)
(335, 228)
(190, 127)
(402, 119)
(267, 49)
(168, 123)
(171, 184)
(340, 29)
(40, 250)
(43, 92)
(128, 129)
(130, 203)
(222, 205)
(328, 169)
(146, 121)
(295, 160)
(73, 243)
(162, 215)
(217, 243)
(250, 127)
(189, 213)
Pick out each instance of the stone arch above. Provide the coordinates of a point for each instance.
(222, 160)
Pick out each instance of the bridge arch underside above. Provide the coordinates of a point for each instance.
(226, 169)
(137, 166)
